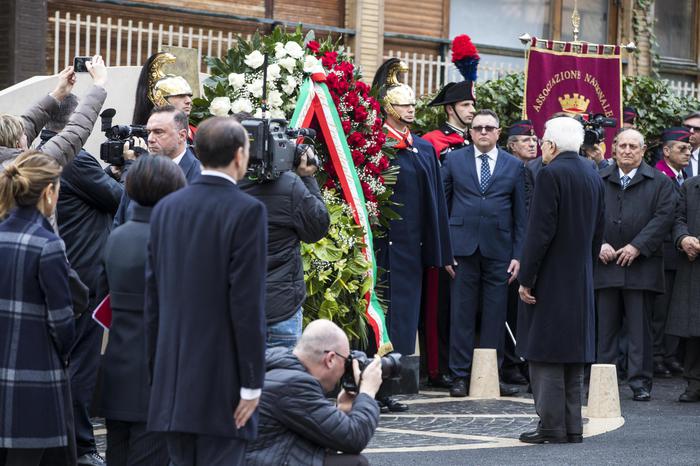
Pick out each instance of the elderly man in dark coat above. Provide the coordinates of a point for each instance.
(684, 312)
(556, 326)
(205, 306)
(639, 201)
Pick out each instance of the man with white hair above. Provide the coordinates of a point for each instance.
(556, 326)
(630, 271)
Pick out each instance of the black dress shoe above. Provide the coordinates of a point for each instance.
(574, 438)
(508, 391)
(674, 366)
(689, 397)
(441, 381)
(537, 437)
(459, 388)
(514, 378)
(661, 371)
(394, 405)
(641, 394)
(383, 409)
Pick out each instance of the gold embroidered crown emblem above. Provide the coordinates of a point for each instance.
(575, 104)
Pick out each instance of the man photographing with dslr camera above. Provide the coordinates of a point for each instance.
(297, 423)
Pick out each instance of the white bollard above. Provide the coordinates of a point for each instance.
(484, 378)
(603, 392)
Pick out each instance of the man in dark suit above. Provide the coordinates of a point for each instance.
(692, 122)
(556, 326)
(205, 306)
(484, 188)
(630, 270)
(167, 135)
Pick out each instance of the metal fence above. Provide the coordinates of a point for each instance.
(125, 42)
(428, 73)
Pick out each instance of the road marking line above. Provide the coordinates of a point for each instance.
(527, 401)
(462, 415)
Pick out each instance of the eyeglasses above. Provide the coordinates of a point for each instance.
(336, 353)
(481, 129)
(693, 129)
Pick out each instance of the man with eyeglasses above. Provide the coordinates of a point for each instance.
(298, 424)
(692, 122)
(675, 151)
(639, 202)
(485, 192)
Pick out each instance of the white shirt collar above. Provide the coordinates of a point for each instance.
(676, 173)
(219, 174)
(179, 157)
(694, 154)
(630, 174)
(493, 153)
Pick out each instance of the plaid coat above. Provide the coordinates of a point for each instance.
(36, 333)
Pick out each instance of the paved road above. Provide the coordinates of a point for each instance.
(441, 431)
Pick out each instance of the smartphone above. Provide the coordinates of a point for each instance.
(79, 64)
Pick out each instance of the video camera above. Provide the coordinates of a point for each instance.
(594, 126)
(391, 368)
(112, 150)
(273, 148)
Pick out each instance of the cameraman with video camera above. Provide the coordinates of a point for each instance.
(295, 212)
(298, 425)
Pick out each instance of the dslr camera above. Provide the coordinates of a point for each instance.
(594, 127)
(273, 148)
(112, 150)
(391, 368)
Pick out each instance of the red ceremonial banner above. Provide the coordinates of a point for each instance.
(580, 79)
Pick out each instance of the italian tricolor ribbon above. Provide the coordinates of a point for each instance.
(315, 102)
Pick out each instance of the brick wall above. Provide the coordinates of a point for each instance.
(23, 35)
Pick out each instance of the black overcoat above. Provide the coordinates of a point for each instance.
(684, 310)
(563, 237)
(642, 216)
(205, 307)
(125, 388)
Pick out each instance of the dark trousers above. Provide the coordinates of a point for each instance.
(691, 362)
(635, 306)
(480, 284)
(665, 346)
(84, 362)
(21, 456)
(434, 330)
(402, 318)
(556, 389)
(204, 450)
(129, 444)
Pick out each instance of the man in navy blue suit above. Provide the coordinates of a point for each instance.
(485, 192)
(205, 306)
(167, 135)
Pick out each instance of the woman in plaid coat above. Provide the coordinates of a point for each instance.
(36, 317)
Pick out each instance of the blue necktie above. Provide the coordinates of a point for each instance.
(485, 172)
(679, 179)
(625, 181)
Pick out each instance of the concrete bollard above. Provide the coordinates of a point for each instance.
(484, 379)
(603, 393)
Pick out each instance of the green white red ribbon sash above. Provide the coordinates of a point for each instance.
(315, 101)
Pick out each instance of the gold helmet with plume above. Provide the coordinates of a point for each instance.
(391, 90)
(163, 85)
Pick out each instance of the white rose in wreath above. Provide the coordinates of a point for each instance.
(289, 86)
(274, 72)
(294, 49)
(236, 80)
(258, 114)
(220, 106)
(274, 99)
(277, 113)
(288, 63)
(242, 105)
(255, 59)
(310, 63)
(256, 88)
(280, 52)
